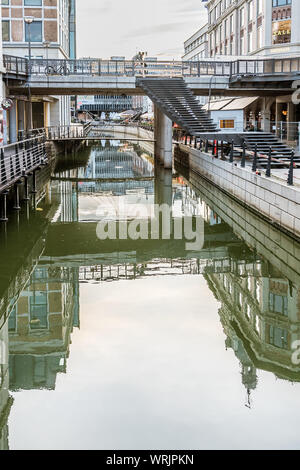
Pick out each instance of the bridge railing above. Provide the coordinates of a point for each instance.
(18, 159)
(266, 66)
(65, 132)
(130, 68)
(16, 65)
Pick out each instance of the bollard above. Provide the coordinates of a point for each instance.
(254, 166)
(231, 152)
(185, 141)
(268, 171)
(195, 143)
(243, 162)
(206, 146)
(290, 180)
(217, 149)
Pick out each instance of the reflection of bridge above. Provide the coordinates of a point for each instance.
(93, 269)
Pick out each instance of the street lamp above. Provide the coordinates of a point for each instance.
(29, 20)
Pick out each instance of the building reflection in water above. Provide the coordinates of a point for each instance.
(260, 305)
(40, 328)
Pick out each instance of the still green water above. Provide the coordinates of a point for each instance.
(124, 344)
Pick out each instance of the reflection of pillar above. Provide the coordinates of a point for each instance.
(167, 188)
(48, 195)
(163, 188)
(13, 123)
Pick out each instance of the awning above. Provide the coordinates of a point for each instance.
(231, 104)
(240, 103)
(217, 105)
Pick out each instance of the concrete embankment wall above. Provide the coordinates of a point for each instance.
(272, 244)
(269, 197)
(125, 132)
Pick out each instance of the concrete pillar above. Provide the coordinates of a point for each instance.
(55, 113)
(266, 121)
(28, 115)
(46, 114)
(291, 128)
(157, 132)
(164, 139)
(13, 123)
(21, 115)
(167, 140)
(278, 118)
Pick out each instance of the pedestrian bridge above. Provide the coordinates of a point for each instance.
(96, 76)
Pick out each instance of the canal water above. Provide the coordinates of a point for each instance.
(143, 344)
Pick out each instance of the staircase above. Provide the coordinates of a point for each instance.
(177, 101)
(264, 141)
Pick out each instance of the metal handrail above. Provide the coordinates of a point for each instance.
(16, 65)
(19, 159)
(130, 68)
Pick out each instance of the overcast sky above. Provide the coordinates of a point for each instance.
(107, 27)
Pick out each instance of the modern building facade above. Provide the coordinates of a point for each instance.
(253, 27)
(50, 30)
(52, 34)
(196, 47)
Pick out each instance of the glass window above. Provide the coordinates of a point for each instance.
(278, 304)
(36, 34)
(5, 2)
(33, 3)
(12, 321)
(38, 311)
(278, 337)
(5, 31)
(227, 124)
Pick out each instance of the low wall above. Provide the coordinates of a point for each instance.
(129, 131)
(272, 199)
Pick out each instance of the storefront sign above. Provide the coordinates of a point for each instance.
(282, 32)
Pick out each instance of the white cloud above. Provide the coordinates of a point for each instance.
(106, 28)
